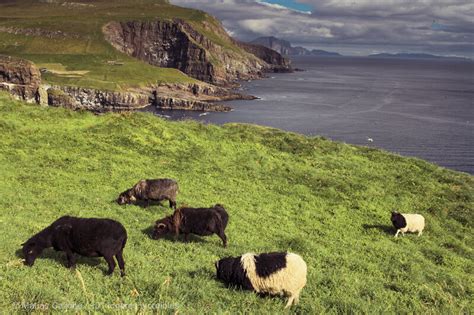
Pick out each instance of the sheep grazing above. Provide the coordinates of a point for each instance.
(407, 222)
(199, 221)
(270, 273)
(151, 190)
(89, 237)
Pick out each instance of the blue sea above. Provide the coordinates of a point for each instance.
(421, 108)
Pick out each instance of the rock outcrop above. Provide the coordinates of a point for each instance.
(21, 78)
(177, 44)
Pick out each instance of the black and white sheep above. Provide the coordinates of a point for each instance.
(88, 237)
(151, 190)
(408, 222)
(278, 273)
(199, 221)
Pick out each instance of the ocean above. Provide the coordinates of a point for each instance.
(421, 108)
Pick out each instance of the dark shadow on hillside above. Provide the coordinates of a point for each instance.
(155, 205)
(148, 231)
(173, 238)
(260, 295)
(60, 257)
(387, 229)
(201, 272)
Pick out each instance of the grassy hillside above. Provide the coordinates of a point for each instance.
(69, 35)
(329, 202)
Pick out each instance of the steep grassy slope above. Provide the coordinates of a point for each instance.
(69, 34)
(329, 202)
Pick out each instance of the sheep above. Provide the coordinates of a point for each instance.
(151, 189)
(277, 273)
(90, 237)
(199, 221)
(408, 222)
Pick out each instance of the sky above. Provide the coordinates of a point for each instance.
(351, 27)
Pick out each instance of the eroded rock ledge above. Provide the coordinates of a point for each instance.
(22, 79)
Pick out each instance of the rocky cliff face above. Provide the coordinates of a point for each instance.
(177, 44)
(277, 62)
(163, 44)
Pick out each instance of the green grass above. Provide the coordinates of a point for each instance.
(327, 201)
(85, 49)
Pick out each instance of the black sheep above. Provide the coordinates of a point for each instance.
(89, 237)
(151, 189)
(199, 221)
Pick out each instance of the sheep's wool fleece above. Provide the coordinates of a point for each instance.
(415, 223)
(288, 281)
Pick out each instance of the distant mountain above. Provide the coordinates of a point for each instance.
(284, 47)
(414, 56)
(319, 52)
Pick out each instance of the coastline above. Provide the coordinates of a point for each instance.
(387, 108)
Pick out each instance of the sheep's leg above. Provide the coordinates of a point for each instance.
(172, 204)
(186, 237)
(111, 262)
(396, 234)
(71, 260)
(223, 237)
(121, 262)
(147, 203)
(419, 233)
(297, 297)
(290, 301)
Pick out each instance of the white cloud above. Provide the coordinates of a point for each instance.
(436, 26)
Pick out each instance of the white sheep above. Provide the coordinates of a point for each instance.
(408, 222)
(271, 273)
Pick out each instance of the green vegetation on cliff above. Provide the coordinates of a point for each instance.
(330, 202)
(69, 35)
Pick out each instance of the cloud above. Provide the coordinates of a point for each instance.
(353, 26)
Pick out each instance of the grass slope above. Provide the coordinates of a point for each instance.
(328, 201)
(84, 48)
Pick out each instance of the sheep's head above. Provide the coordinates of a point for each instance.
(31, 251)
(219, 206)
(225, 268)
(398, 220)
(162, 227)
(395, 215)
(126, 197)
